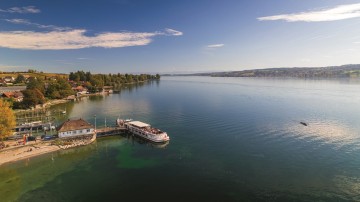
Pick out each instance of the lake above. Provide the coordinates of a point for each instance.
(232, 139)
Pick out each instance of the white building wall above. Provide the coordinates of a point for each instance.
(74, 133)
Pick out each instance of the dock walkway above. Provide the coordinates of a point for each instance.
(110, 131)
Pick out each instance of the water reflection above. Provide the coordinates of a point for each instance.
(327, 131)
(30, 174)
(96, 98)
(133, 87)
(134, 140)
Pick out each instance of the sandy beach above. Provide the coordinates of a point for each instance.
(17, 152)
(26, 151)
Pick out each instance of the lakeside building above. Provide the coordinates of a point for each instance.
(107, 89)
(75, 128)
(80, 90)
(16, 95)
(9, 79)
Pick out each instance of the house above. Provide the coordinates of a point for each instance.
(80, 90)
(9, 79)
(107, 89)
(30, 78)
(26, 76)
(75, 128)
(16, 95)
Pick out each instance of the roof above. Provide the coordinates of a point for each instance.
(70, 125)
(8, 94)
(14, 94)
(79, 88)
(139, 124)
(18, 94)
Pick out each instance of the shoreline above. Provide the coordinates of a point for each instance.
(44, 106)
(24, 152)
(64, 100)
(34, 149)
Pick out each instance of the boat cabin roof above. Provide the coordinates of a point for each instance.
(139, 124)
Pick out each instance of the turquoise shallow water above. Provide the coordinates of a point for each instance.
(232, 139)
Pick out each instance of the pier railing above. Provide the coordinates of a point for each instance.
(110, 131)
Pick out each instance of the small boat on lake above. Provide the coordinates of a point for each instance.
(144, 130)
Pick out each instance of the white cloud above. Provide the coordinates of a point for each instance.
(76, 39)
(18, 21)
(25, 9)
(27, 22)
(173, 32)
(340, 12)
(216, 45)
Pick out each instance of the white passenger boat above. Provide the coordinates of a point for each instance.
(144, 130)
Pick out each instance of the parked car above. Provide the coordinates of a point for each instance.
(48, 137)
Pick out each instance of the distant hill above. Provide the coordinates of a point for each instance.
(344, 71)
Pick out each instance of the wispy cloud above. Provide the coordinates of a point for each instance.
(27, 22)
(76, 39)
(25, 9)
(18, 21)
(216, 45)
(340, 12)
(173, 32)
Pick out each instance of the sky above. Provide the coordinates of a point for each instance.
(168, 36)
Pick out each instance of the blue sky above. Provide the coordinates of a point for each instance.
(143, 36)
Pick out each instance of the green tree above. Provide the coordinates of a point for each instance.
(32, 97)
(88, 76)
(59, 89)
(36, 83)
(7, 119)
(20, 79)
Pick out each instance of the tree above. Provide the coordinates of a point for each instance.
(7, 119)
(20, 79)
(32, 97)
(36, 83)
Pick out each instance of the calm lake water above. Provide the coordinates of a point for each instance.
(232, 139)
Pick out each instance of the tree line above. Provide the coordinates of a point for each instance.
(100, 80)
(40, 89)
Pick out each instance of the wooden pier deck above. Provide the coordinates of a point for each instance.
(110, 131)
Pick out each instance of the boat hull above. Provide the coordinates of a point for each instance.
(162, 137)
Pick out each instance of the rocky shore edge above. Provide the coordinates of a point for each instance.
(33, 149)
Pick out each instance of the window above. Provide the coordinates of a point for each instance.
(88, 130)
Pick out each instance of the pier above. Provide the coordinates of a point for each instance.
(109, 131)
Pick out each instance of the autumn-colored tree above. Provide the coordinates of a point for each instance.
(32, 97)
(7, 119)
